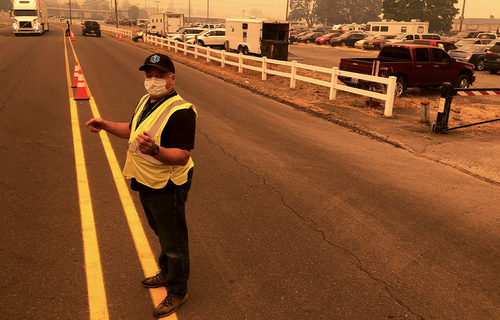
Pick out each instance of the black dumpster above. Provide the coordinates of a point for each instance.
(274, 49)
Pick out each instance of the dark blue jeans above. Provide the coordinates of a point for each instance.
(167, 217)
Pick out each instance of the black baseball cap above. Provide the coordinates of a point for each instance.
(159, 61)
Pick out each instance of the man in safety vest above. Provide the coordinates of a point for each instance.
(138, 36)
(160, 139)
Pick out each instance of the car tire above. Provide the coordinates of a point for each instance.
(327, 43)
(99, 34)
(245, 50)
(493, 71)
(463, 82)
(83, 33)
(479, 65)
(308, 41)
(200, 43)
(401, 84)
(377, 47)
(343, 44)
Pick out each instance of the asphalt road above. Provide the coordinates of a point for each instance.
(290, 216)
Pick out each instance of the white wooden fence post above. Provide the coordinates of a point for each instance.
(391, 92)
(293, 81)
(185, 49)
(333, 84)
(264, 68)
(208, 54)
(223, 59)
(240, 63)
(195, 51)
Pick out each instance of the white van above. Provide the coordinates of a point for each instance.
(405, 37)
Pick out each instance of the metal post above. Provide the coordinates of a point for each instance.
(444, 108)
(425, 111)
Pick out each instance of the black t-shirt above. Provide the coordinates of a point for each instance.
(179, 132)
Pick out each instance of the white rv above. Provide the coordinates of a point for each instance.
(161, 24)
(30, 16)
(391, 27)
(263, 37)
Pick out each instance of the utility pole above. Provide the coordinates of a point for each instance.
(116, 15)
(287, 5)
(70, 21)
(208, 11)
(462, 17)
(157, 8)
(189, 10)
(243, 13)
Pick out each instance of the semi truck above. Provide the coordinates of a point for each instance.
(267, 38)
(161, 24)
(30, 17)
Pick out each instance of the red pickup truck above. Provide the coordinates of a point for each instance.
(413, 65)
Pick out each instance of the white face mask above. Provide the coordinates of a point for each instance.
(155, 86)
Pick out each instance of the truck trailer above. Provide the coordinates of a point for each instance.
(161, 24)
(391, 27)
(267, 38)
(30, 17)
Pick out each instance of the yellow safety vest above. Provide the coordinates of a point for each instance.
(144, 168)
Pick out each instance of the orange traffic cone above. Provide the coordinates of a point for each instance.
(72, 36)
(116, 36)
(75, 75)
(120, 37)
(81, 90)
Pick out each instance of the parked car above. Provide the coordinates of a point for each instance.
(475, 54)
(446, 45)
(465, 42)
(178, 36)
(143, 23)
(492, 62)
(347, 39)
(378, 42)
(309, 37)
(407, 37)
(464, 35)
(492, 36)
(359, 43)
(210, 38)
(110, 21)
(91, 27)
(325, 39)
(295, 34)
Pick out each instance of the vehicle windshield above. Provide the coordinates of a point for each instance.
(400, 36)
(462, 34)
(378, 38)
(30, 13)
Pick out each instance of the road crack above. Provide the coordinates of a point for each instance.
(388, 288)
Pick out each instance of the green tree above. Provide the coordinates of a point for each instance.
(134, 12)
(348, 11)
(5, 5)
(439, 13)
(303, 10)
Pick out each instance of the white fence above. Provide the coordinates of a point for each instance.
(118, 31)
(265, 68)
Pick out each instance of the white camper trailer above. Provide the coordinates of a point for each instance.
(161, 24)
(262, 37)
(391, 27)
(30, 16)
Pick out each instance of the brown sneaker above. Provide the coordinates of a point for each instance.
(155, 281)
(168, 306)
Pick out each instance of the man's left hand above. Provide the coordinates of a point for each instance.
(145, 143)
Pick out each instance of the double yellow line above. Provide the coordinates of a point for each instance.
(95, 283)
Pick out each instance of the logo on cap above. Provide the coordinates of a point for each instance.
(155, 59)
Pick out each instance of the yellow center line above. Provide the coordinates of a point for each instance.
(95, 283)
(146, 257)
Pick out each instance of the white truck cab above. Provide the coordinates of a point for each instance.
(30, 16)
